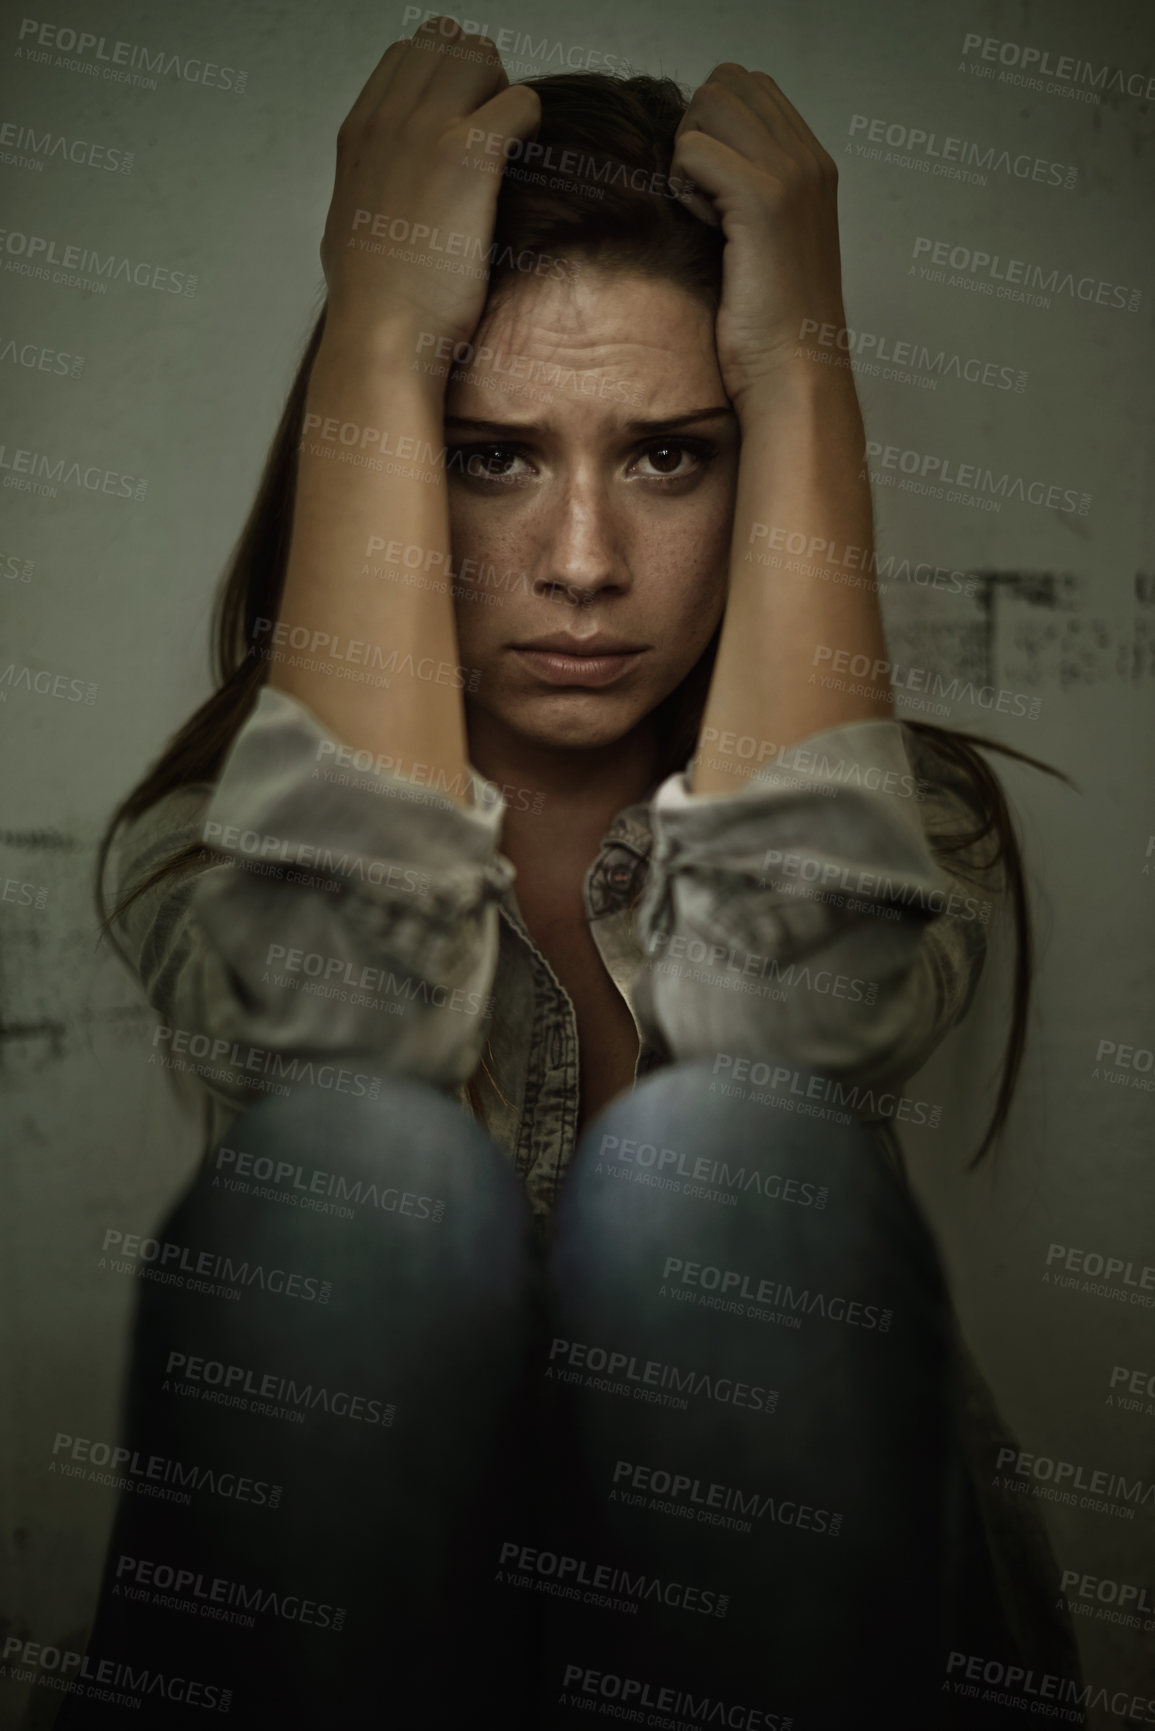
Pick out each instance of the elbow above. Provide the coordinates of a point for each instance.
(248, 1011)
(844, 1018)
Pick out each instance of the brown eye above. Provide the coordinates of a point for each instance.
(675, 459)
(485, 462)
(491, 462)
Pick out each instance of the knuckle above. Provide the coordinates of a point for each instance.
(462, 50)
(522, 106)
(783, 186)
(718, 98)
(457, 134)
(380, 121)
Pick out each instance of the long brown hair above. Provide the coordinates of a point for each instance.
(611, 200)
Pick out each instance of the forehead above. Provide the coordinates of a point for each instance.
(603, 346)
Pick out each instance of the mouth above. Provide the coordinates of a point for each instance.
(594, 667)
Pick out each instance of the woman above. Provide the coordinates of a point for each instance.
(524, 784)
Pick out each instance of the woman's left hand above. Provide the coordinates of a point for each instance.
(774, 191)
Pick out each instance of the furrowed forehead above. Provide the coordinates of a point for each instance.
(635, 355)
(609, 309)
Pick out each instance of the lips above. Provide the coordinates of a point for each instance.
(601, 643)
(590, 661)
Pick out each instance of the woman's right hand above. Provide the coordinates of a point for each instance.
(404, 156)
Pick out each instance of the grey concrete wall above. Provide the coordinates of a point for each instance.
(182, 390)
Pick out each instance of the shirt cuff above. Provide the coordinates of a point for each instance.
(841, 809)
(285, 794)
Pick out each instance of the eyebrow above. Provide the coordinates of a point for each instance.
(669, 423)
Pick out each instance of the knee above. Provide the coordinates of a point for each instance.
(687, 1157)
(338, 1145)
(408, 1166)
(688, 1126)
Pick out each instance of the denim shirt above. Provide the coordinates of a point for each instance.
(334, 924)
(339, 924)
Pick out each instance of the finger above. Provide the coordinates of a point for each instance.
(701, 205)
(375, 85)
(514, 112)
(764, 99)
(470, 71)
(404, 70)
(725, 114)
(721, 113)
(681, 184)
(787, 109)
(715, 168)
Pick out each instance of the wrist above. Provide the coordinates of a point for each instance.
(798, 385)
(394, 347)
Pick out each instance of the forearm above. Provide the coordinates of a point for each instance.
(801, 472)
(340, 586)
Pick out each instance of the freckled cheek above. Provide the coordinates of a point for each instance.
(693, 561)
(684, 605)
(463, 528)
(487, 536)
(489, 592)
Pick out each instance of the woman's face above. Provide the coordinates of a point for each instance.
(575, 525)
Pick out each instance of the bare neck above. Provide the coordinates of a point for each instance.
(560, 803)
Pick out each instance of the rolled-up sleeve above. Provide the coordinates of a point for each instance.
(320, 914)
(806, 915)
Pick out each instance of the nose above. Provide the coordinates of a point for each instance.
(580, 556)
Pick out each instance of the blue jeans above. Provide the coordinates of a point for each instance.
(398, 1456)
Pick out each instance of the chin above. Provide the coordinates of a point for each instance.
(577, 723)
